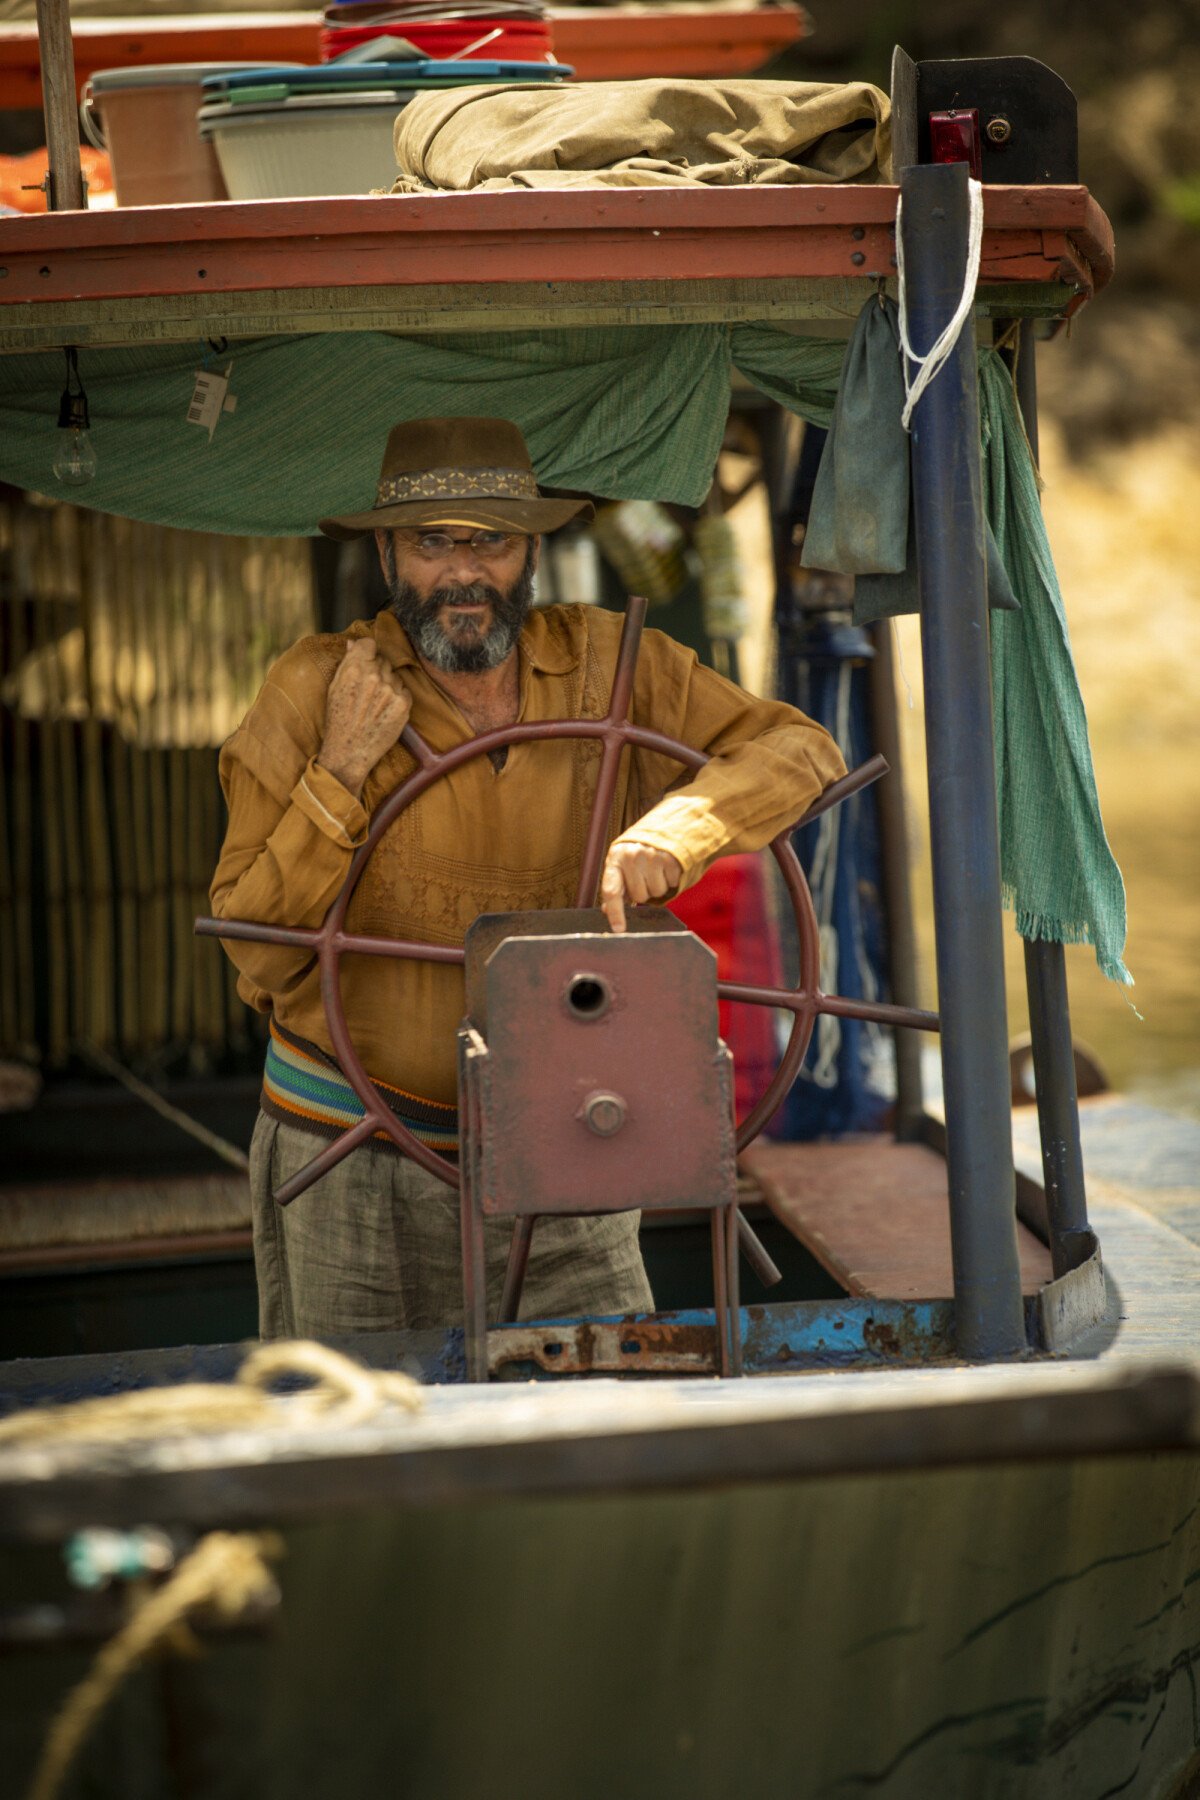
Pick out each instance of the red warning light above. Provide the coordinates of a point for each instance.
(954, 138)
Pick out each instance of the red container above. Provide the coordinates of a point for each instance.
(728, 908)
(519, 40)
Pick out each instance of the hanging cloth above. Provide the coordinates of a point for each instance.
(861, 520)
(622, 412)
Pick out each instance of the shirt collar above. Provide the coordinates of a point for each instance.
(548, 641)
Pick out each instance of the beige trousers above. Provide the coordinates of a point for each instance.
(375, 1245)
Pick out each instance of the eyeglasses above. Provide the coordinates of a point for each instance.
(435, 546)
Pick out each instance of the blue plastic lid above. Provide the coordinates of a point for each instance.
(401, 73)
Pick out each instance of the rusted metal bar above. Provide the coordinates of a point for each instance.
(246, 931)
(416, 746)
(756, 1253)
(475, 1339)
(880, 1011)
(733, 1310)
(595, 843)
(720, 1266)
(327, 1159)
(355, 944)
(64, 178)
(837, 791)
(518, 1263)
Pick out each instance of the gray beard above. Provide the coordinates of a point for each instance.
(463, 649)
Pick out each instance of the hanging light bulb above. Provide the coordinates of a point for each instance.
(74, 460)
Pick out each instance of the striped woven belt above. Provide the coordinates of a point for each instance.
(302, 1086)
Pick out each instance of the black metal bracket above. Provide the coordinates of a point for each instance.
(1028, 116)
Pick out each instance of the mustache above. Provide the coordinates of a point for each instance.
(470, 593)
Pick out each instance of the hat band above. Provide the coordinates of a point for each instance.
(459, 484)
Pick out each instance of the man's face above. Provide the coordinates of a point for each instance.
(463, 607)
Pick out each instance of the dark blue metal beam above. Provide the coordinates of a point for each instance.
(948, 507)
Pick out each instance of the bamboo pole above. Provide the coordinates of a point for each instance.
(24, 595)
(46, 574)
(64, 180)
(65, 604)
(100, 970)
(140, 786)
(9, 1003)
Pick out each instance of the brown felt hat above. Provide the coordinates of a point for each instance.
(474, 472)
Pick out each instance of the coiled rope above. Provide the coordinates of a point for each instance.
(343, 1393)
(226, 1571)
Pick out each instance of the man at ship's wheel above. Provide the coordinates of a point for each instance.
(374, 1244)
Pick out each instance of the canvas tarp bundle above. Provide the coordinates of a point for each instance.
(625, 412)
(659, 133)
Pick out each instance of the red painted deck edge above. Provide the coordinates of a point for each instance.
(1033, 234)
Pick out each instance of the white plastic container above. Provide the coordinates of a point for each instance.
(304, 146)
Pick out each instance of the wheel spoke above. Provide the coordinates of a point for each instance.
(328, 1159)
(837, 791)
(878, 1012)
(787, 999)
(594, 844)
(251, 933)
(350, 944)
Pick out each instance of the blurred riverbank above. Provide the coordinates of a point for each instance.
(1125, 531)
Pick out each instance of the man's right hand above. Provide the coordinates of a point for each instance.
(366, 710)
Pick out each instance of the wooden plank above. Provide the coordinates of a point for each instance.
(597, 1437)
(1063, 207)
(516, 307)
(527, 259)
(876, 1214)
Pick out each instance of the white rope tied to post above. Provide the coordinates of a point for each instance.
(930, 364)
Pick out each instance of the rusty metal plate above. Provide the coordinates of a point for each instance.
(608, 1347)
(606, 1087)
(490, 930)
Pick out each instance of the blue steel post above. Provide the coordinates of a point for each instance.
(948, 509)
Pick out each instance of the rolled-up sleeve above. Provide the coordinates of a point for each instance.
(769, 762)
(292, 831)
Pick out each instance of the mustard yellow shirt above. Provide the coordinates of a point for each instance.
(480, 841)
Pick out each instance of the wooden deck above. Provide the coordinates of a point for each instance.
(875, 1214)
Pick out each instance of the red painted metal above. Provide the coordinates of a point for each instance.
(679, 235)
(600, 45)
(646, 1059)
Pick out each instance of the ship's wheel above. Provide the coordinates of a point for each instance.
(330, 941)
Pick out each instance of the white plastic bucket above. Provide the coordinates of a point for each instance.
(327, 144)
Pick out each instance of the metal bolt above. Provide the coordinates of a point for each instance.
(998, 129)
(858, 234)
(858, 259)
(604, 1114)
